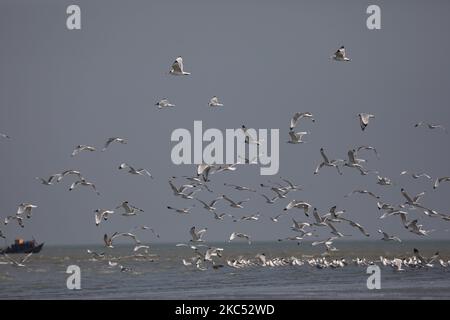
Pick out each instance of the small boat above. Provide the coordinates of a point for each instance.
(21, 246)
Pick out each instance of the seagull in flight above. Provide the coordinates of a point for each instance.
(179, 191)
(70, 172)
(164, 103)
(182, 211)
(131, 170)
(109, 240)
(295, 238)
(102, 214)
(417, 175)
(357, 226)
(291, 186)
(384, 206)
(327, 242)
(240, 188)
(384, 181)
(439, 181)
(333, 215)
(210, 206)
(96, 255)
(320, 221)
(299, 226)
(269, 200)
(204, 170)
(280, 191)
(235, 235)
(391, 211)
(115, 140)
(431, 126)
(277, 217)
(334, 231)
(340, 55)
(80, 148)
(26, 208)
(146, 228)
(233, 204)
(328, 163)
(197, 235)
(249, 137)
(139, 247)
(253, 217)
(387, 237)
(214, 102)
(415, 228)
(354, 163)
(129, 210)
(49, 180)
(4, 136)
(228, 167)
(221, 216)
(368, 148)
(362, 192)
(213, 252)
(364, 119)
(414, 202)
(299, 205)
(299, 115)
(83, 183)
(177, 68)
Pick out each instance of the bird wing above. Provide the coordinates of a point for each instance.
(229, 200)
(108, 142)
(294, 119)
(351, 156)
(105, 239)
(202, 202)
(407, 197)
(214, 100)
(331, 227)
(340, 53)
(294, 136)
(193, 233)
(177, 66)
(201, 168)
(215, 201)
(317, 216)
(418, 196)
(322, 152)
(21, 209)
(131, 235)
(98, 217)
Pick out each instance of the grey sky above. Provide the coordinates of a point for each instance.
(264, 59)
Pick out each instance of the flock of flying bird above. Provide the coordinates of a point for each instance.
(205, 256)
